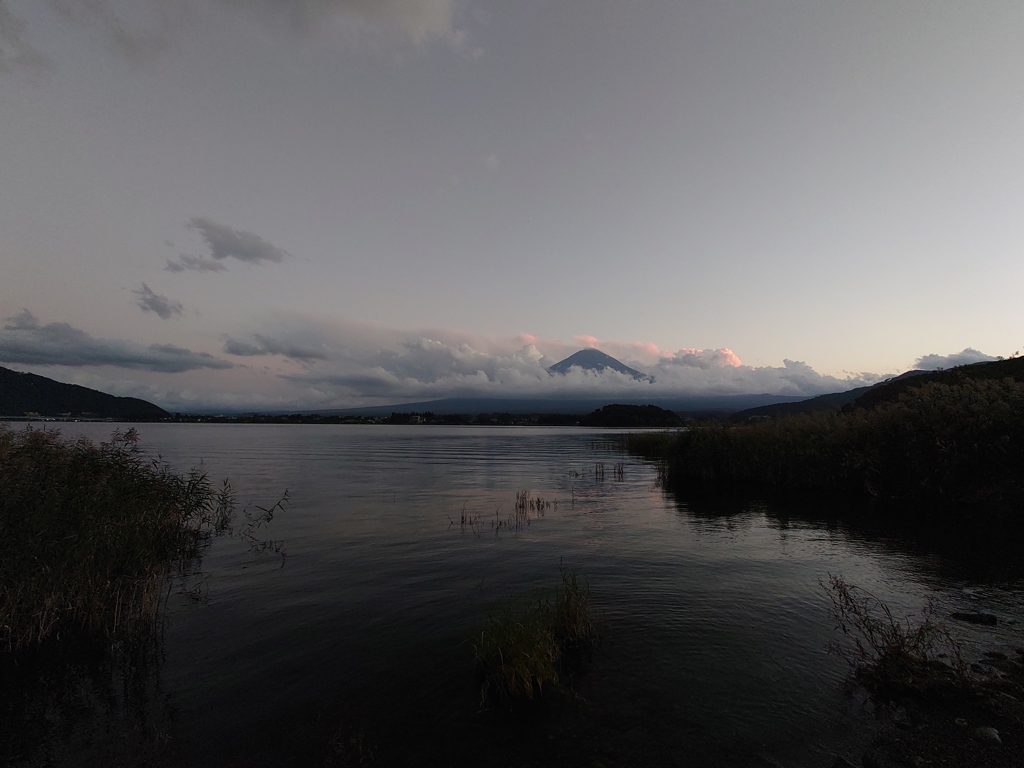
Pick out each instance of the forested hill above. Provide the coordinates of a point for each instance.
(27, 393)
(869, 397)
(1012, 368)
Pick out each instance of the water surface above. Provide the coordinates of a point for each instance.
(715, 626)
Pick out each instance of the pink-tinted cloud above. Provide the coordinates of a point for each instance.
(702, 358)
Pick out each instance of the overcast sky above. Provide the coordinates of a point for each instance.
(256, 203)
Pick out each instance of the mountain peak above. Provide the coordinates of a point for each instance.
(598, 361)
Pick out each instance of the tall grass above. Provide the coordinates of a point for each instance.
(89, 533)
(937, 445)
(529, 644)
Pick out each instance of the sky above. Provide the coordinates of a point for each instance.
(247, 204)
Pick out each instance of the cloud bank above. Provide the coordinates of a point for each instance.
(27, 341)
(344, 363)
(968, 357)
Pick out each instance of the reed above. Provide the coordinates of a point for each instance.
(89, 533)
(529, 644)
(936, 446)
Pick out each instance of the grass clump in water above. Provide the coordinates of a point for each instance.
(89, 533)
(528, 645)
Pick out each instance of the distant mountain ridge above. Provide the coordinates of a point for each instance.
(890, 389)
(701, 405)
(26, 393)
(598, 361)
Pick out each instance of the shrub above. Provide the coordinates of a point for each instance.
(88, 533)
(887, 652)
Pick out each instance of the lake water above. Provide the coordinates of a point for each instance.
(714, 625)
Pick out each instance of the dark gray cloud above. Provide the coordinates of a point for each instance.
(968, 357)
(153, 302)
(264, 345)
(27, 341)
(227, 243)
(194, 264)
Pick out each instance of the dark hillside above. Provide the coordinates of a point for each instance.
(817, 404)
(890, 391)
(23, 393)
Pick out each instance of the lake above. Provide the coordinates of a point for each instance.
(357, 635)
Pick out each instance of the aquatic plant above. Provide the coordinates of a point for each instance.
(528, 644)
(573, 626)
(527, 508)
(88, 533)
(890, 652)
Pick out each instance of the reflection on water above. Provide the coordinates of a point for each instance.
(714, 622)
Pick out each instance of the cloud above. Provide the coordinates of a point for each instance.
(153, 302)
(267, 346)
(968, 357)
(227, 243)
(27, 341)
(143, 30)
(194, 264)
(363, 363)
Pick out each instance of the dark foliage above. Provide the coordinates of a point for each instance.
(631, 416)
(946, 447)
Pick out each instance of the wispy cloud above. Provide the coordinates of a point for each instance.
(968, 357)
(27, 341)
(153, 302)
(193, 263)
(265, 345)
(227, 243)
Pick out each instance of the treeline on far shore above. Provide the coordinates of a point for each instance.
(396, 417)
(613, 416)
(953, 448)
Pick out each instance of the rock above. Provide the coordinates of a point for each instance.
(994, 655)
(987, 734)
(961, 722)
(842, 762)
(900, 717)
(977, 618)
(872, 759)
